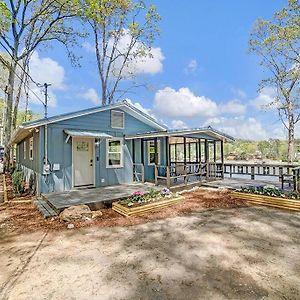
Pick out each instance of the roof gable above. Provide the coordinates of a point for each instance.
(24, 129)
(130, 109)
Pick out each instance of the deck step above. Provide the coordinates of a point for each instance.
(45, 209)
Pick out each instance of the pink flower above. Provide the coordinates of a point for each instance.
(138, 193)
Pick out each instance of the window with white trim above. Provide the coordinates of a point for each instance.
(24, 149)
(31, 148)
(151, 152)
(117, 119)
(114, 153)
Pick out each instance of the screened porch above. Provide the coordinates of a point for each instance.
(178, 157)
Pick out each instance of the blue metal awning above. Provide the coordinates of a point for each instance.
(87, 134)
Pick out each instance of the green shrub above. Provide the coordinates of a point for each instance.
(12, 169)
(32, 180)
(17, 182)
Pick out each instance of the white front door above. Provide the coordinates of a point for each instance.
(83, 161)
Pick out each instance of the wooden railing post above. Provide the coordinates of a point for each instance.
(294, 180)
(143, 173)
(207, 170)
(298, 181)
(280, 173)
(252, 173)
(168, 177)
(156, 174)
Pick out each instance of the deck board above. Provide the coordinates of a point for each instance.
(94, 197)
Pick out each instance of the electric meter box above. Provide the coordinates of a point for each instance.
(56, 167)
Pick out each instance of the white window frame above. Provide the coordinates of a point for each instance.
(31, 147)
(148, 152)
(24, 150)
(111, 120)
(108, 166)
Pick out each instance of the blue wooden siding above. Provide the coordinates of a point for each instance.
(27, 165)
(149, 169)
(61, 152)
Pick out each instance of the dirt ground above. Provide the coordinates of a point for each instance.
(220, 253)
(24, 217)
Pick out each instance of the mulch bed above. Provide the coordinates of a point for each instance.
(24, 217)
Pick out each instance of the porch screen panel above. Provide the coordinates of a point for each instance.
(180, 153)
(172, 153)
(193, 153)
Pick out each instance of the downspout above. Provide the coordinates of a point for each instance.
(46, 144)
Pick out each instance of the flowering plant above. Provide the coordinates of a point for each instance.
(165, 192)
(138, 197)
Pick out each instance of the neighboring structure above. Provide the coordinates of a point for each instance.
(106, 145)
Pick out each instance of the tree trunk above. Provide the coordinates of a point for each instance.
(8, 113)
(16, 105)
(291, 136)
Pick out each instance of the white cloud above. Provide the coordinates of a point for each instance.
(137, 64)
(151, 64)
(88, 47)
(239, 93)
(46, 70)
(264, 98)
(191, 67)
(178, 124)
(233, 107)
(239, 127)
(140, 107)
(91, 95)
(183, 103)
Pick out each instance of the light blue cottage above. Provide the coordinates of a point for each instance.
(101, 146)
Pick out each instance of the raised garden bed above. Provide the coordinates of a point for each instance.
(269, 196)
(140, 204)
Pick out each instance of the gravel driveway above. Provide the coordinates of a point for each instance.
(240, 253)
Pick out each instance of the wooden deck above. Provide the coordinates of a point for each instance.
(95, 198)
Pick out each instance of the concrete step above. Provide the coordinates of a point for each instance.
(44, 208)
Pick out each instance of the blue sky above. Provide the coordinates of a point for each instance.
(201, 73)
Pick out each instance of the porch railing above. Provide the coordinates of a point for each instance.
(258, 169)
(286, 173)
(184, 172)
(180, 172)
(138, 172)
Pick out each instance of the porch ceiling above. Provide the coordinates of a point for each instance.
(204, 133)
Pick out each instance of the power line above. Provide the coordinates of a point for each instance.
(17, 62)
(29, 88)
(25, 72)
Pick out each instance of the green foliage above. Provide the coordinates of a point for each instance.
(272, 149)
(123, 30)
(22, 116)
(4, 16)
(153, 193)
(142, 198)
(32, 182)
(277, 43)
(18, 182)
(270, 191)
